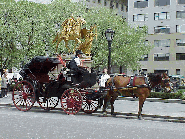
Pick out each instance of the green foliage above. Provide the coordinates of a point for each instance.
(27, 28)
(178, 95)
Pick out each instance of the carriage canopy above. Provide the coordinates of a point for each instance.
(39, 64)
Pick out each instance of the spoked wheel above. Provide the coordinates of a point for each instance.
(71, 101)
(48, 103)
(89, 106)
(23, 96)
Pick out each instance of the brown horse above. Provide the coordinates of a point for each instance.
(137, 86)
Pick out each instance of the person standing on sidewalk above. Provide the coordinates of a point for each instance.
(103, 79)
(4, 84)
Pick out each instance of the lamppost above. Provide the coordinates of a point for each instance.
(109, 34)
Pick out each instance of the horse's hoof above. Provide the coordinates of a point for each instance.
(104, 113)
(140, 118)
(113, 114)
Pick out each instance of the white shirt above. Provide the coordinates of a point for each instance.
(103, 80)
(77, 60)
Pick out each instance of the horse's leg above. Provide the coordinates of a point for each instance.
(55, 39)
(141, 102)
(142, 97)
(66, 45)
(100, 102)
(106, 99)
(115, 95)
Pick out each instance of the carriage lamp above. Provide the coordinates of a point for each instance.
(109, 34)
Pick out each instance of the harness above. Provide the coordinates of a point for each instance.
(131, 83)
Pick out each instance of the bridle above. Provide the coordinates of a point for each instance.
(165, 83)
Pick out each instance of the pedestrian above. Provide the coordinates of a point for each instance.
(103, 79)
(102, 84)
(4, 84)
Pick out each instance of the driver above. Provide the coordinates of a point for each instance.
(78, 55)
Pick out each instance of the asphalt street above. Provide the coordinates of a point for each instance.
(55, 124)
(161, 120)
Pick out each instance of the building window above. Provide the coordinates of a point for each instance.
(162, 2)
(180, 14)
(144, 57)
(162, 43)
(181, 1)
(122, 7)
(162, 29)
(140, 17)
(180, 56)
(126, 8)
(111, 4)
(161, 57)
(180, 28)
(141, 4)
(117, 5)
(105, 2)
(143, 29)
(180, 42)
(161, 16)
(177, 71)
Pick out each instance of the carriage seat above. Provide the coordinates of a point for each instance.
(40, 77)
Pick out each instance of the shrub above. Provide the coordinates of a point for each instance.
(178, 95)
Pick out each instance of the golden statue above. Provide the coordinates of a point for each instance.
(89, 36)
(70, 31)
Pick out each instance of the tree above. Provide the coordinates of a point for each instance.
(25, 31)
(27, 28)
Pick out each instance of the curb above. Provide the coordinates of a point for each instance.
(154, 100)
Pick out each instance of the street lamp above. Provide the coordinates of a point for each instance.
(109, 33)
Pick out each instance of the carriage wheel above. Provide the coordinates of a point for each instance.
(89, 106)
(23, 96)
(71, 101)
(48, 103)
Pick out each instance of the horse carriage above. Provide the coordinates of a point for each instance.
(73, 92)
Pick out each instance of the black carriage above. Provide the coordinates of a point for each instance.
(72, 91)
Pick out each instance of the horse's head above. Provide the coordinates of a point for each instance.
(165, 83)
(161, 79)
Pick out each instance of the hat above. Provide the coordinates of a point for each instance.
(78, 52)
